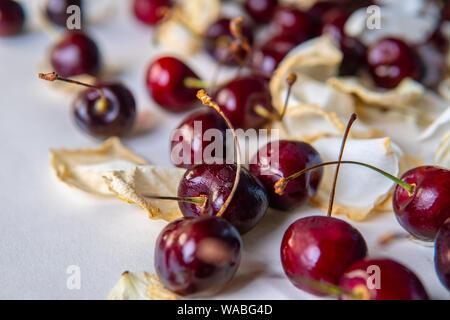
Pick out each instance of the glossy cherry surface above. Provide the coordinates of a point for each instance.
(261, 10)
(394, 281)
(423, 213)
(392, 60)
(433, 62)
(320, 248)
(239, 98)
(12, 18)
(166, 84)
(218, 38)
(56, 10)
(75, 54)
(216, 181)
(116, 120)
(293, 22)
(197, 256)
(282, 159)
(192, 135)
(150, 12)
(442, 254)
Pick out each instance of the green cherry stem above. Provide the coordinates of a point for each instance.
(290, 80)
(200, 201)
(328, 288)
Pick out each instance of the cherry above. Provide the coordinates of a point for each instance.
(442, 254)
(261, 10)
(151, 12)
(218, 38)
(12, 18)
(192, 137)
(396, 282)
(433, 64)
(391, 60)
(215, 181)
(280, 160)
(103, 110)
(56, 10)
(75, 54)
(239, 98)
(293, 22)
(321, 249)
(424, 211)
(166, 82)
(197, 256)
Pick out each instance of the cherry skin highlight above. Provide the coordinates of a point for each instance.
(321, 249)
(423, 213)
(282, 159)
(197, 256)
(249, 203)
(239, 98)
(293, 22)
(12, 18)
(116, 119)
(442, 254)
(392, 60)
(56, 11)
(76, 54)
(396, 282)
(150, 12)
(261, 10)
(166, 84)
(190, 135)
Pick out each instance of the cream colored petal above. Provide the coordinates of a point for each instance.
(301, 4)
(140, 286)
(84, 168)
(442, 123)
(359, 190)
(173, 35)
(442, 157)
(131, 185)
(199, 14)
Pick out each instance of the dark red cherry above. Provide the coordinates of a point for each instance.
(382, 279)
(151, 12)
(442, 254)
(218, 38)
(267, 57)
(191, 135)
(261, 10)
(392, 60)
(197, 256)
(165, 79)
(56, 10)
(75, 54)
(293, 22)
(282, 159)
(12, 18)
(115, 118)
(321, 249)
(239, 98)
(423, 213)
(216, 181)
(433, 64)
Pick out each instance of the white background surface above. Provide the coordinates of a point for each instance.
(46, 226)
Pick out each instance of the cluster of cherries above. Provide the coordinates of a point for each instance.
(199, 254)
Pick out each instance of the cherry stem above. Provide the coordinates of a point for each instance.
(353, 118)
(53, 76)
(200, 201)
(240, 42)
(195, 83)
(327, 288)
(281, 184)
(263, 112)
(290, 80)
(203, 96)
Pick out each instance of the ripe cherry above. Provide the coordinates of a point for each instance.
(197, 256)
(433, 64)
(151, 12)
(396, 282)
(218, 38)
(280, 160)
(12, 18)
(293, 22)
(423, 211)
(261, 10)
(166, 83)
(104, 110)
(442, 254)
(75, 54)
(239, 98)
(56, 10)
(392, 60)
(190, 136)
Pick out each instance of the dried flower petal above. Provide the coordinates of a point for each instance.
(442, 157)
